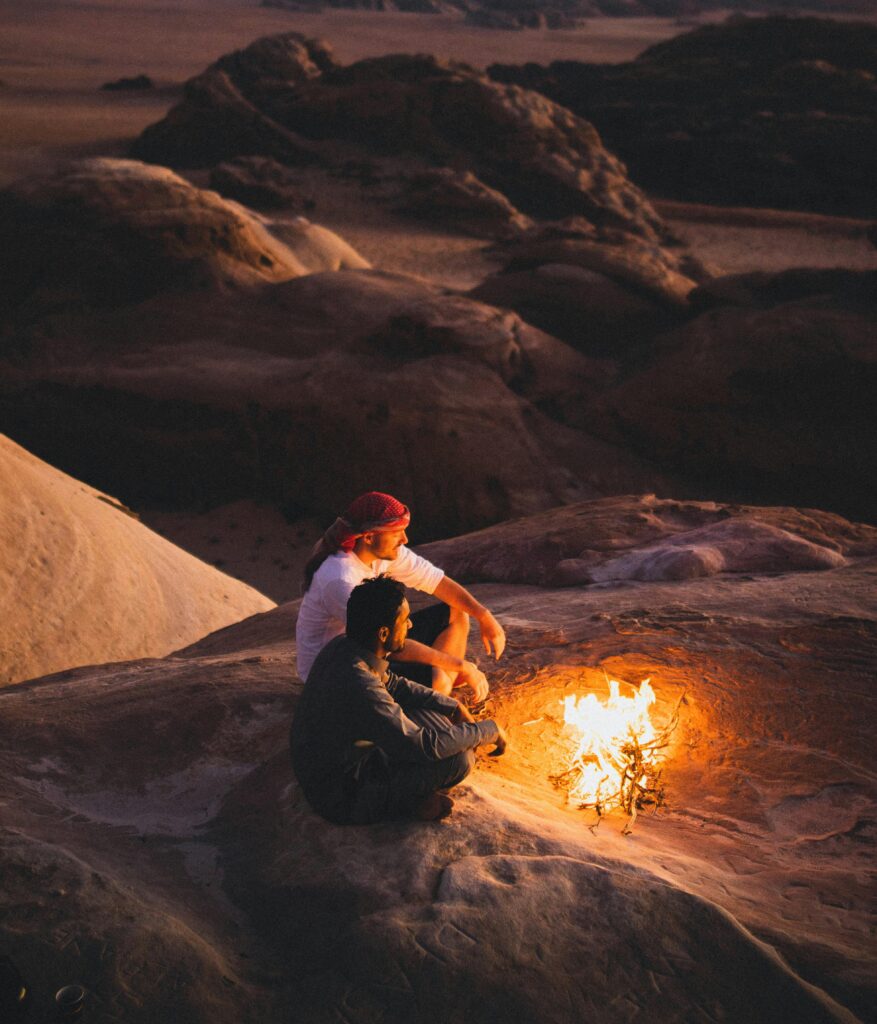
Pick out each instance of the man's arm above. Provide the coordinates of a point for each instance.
(386, 724)
(492, 633)
(466, 671)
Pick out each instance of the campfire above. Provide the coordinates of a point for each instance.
(617, 761)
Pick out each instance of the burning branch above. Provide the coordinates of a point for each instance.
(617, 762)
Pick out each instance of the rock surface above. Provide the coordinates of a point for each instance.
(107, 232)
(772, 112)
(773, 398)
(156, 797)
(82, 581)
(461, 200)
(261, 182)
(285, 98)
(651, 538)
(242, 395)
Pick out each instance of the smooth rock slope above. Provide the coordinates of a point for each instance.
(82, 581)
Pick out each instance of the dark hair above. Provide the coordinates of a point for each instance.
(374, 603)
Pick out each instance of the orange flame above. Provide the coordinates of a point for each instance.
(600, 766)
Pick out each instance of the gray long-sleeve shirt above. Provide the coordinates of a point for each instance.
(350, 696)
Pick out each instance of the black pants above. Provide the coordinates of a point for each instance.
(384, 789)
(426, 626)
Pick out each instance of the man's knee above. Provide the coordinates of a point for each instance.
(441, 682)
(459, 767)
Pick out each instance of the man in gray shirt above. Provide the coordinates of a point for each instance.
(367, 744)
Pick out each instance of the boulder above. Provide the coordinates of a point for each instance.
(460, 200)
(84, 581)
(604, 293)
(295, 102)
(595, 314)
(651, 270)
(261, 182)
(106, 232)
(773, 399)
(648, 538)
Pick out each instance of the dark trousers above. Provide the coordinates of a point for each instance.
(426, 626)
(385, 789)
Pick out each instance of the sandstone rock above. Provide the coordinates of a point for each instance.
(106, 231)
(729, 546)
(593, 313)
(763, 112)
(157, 798)
(775, 401)
(544, 160)
(84, 581)
(307, 393)
(763, 290)
(316, 249)
(460, 200)
(221, 117)
(649, 269)
(652, 538)
(604, 295)
(261, 182)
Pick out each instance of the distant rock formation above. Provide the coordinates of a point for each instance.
(108, 232)
(261, 182)
(321, 387)
(773, 112)
(771, 388)
(647, 538)
(458, 199)
(193, 386)
(284, 97)
(602, 295)
(83, 581)
(562, 14)
(136, 83)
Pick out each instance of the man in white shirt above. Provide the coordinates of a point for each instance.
(367, 541)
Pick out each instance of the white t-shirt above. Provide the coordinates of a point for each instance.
(323, 613)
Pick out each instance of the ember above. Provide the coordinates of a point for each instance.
(616, 763)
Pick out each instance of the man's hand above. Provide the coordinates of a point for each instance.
(502, 741)
(471, 675)
(492, 634)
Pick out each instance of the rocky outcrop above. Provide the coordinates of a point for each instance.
(459, 200)
(106, 232)
(649, 538)
(765, 112)
(773, 396)
(285, 98)
(261, 182)
(197, 884)
(310, 391)
(83, 581)
(605, 296)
